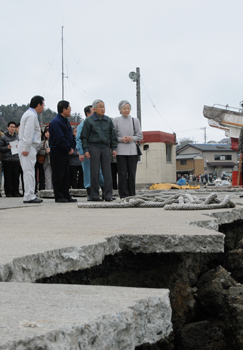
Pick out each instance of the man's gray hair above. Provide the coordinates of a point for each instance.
(123, 103)
(95, 103)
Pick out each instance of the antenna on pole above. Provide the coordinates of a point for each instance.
(63, 74)
(62, 68)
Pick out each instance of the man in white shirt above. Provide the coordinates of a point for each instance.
(29, 140)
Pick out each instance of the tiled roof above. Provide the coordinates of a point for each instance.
(188, 156)
(225, 164)
(208, 147)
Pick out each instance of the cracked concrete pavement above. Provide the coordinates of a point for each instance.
(41, 240)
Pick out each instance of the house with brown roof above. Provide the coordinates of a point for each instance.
(190, 164)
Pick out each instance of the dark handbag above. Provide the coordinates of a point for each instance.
(40, 157)
(139, 151)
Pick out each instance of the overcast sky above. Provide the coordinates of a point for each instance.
(189, 52)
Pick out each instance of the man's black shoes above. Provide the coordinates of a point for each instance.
(61, 200)
(95, 199)
(110, 199)
(65, 200)
(35, 201)
(72, 200)
(100, 199)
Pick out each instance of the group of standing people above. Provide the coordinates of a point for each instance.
(98, 138)
(203, 178)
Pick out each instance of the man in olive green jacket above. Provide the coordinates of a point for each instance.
(98, 136)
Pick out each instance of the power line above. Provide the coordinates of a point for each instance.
(80, 67)
(155, 106)
(47, 93)
(50, 63)
(86, 75)
(84, 93)
(189, 130)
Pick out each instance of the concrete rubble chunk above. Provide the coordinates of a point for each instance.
(35, 316)
(202, 335)
(212, 287)
(234, 264)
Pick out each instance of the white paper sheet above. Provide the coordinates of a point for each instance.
(14, 148)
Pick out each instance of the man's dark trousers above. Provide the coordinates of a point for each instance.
(100, 156)
(11, 177)
(60, 174)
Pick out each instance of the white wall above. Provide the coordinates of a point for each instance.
(153, 167)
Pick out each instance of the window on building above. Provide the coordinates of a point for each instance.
(168, 153)
(183, 162)
(223, 157)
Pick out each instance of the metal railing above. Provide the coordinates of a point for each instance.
(227, 107)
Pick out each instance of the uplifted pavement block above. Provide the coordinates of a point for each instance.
(36, 316)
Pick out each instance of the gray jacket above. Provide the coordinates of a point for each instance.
(124, 127)
(6, 152)
(41, 149)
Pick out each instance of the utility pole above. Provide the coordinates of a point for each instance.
(138, 96)
(205, 138)
(62, 68)
(136, 77)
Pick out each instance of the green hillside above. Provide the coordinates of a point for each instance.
(14, 112)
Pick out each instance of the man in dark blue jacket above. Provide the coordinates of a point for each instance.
(62, 143)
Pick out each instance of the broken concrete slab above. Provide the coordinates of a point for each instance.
(55, 238)
(81, 317)
(50, 238)
(29, 268)
(226, 216)
(43, 240)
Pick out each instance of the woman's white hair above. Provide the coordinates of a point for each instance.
(123, 103)
(95, 103)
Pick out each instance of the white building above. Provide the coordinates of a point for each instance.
(158, 162)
